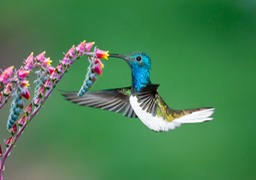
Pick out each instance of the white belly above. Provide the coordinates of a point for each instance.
(157, 123)
(152, 122)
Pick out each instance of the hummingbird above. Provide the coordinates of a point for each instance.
(141, 100)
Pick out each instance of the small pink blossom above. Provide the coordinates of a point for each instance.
(24, 83)
(65, 61)
(46, 62)
(28, 109)
(6, 75)
(22, 74)
(48, 83)
(29, 62)
(37, 101)
(41, 91)
(71, 52)
(25, 93)
(9, 141)
(81, 47)
(54, 75)
(8, 88)
(41, 57)
(14, 129)
(51, 69)
(22, 120)
(59, 68)
(97, 69)
(101, 54)
(98, 61)
(88, 46)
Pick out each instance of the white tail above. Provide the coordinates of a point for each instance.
(196, 117)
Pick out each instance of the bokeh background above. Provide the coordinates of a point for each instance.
(203, 54)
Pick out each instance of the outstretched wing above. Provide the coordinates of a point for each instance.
(114, 100)
(155, 113)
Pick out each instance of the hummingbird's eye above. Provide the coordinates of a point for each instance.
(138, 58)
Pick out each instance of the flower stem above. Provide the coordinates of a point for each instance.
(35, 111)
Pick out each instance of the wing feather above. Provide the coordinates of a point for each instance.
(114, 100)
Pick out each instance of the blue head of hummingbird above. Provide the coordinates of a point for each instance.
(141, 100)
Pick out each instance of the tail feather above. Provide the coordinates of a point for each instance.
(197, 116)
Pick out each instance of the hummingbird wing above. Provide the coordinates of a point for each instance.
(155, 113)
(114, 100)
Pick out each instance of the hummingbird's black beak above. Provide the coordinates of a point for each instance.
(120, 56)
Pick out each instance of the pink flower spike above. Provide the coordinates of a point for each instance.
(25, 93)
(41, 57)
(29, 62)
(101, 54)
(28, 109)
(7, 90)
(14, 129)
(97, 70)
(81, 47)
(6, 74)
(24, 83)
(88, 46)
(9, 141)
(71, 52)
(22, 74)
(22, 120)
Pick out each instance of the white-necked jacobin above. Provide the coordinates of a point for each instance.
(141, 100)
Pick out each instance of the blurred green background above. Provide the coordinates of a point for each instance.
(203, 54)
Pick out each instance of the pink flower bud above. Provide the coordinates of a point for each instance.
(9, 141)
(37, 101)
(88, 46)
(102, 54)
(97, 69)
(98, 61)
(7, 90)
(14, 129)
(65, 61)
(29, 62)
(28, 109)
(47, 62)
(81, 47)
(6, 74)
(71, 52)
(48, 84)
(25, 93)
(51, 69)
(41, 57)
(41, 91)
(59, 68)
(24, 83)
(22, 74)
(54, 75)
(22, 120)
